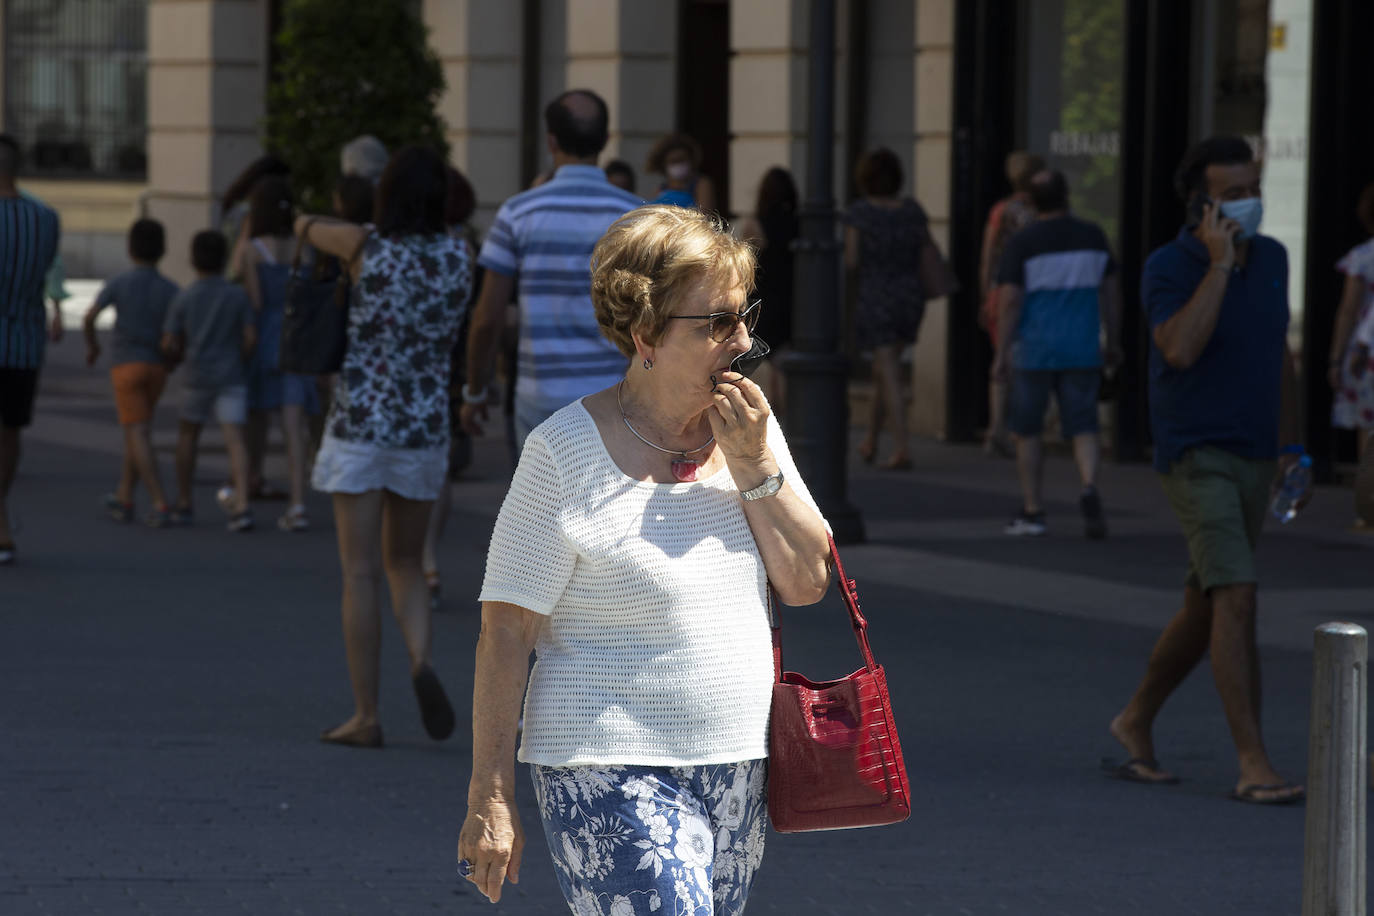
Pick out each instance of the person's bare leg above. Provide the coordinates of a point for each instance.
(868, 447)
(404, 523)
(138, 447)
(1177, 652)
(438, 517)
(1030, 468)
(1087, 454)
(358, 522)
(293, 431)
(238, 464)
(10, 451)
(1236, 668)
(255, 442)
(887, 375)
(996, 438)
(188, 438)
(128, 473)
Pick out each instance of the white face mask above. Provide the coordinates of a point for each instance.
(1247, 211)
(678, 171)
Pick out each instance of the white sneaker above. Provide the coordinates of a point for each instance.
(295, 519)
(1025, 525)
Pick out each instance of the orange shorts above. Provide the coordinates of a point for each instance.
(137, 386)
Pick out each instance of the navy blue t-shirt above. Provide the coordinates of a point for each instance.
(1060, 263)
(1230, 398)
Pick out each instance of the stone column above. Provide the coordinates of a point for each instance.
(479, 44)
(767, 94)
(626, 52)
(207, 73)
(932, 158)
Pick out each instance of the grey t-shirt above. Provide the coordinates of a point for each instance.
(140, 298)
(212, 313)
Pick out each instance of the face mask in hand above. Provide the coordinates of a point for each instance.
(1247, 212)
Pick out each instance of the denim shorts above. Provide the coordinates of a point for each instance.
(1074, 389)
(639, 840)
(227, 405)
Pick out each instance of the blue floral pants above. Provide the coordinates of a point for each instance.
(634, 841)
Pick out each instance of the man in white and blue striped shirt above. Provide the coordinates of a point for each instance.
(540, 246)
(28, 243)
(1060, 296)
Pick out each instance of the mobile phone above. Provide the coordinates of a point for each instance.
(1197, 206)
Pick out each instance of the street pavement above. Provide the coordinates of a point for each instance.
(163, 691)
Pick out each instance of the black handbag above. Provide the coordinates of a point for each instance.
(314, 331)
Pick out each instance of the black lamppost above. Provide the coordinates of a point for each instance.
(817, 370)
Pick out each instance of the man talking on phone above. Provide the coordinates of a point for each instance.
(1223, 410)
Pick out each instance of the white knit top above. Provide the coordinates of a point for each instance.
(657, 649)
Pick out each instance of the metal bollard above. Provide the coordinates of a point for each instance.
(1334, 855)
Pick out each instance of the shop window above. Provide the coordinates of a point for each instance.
(76, 86)
(1075, 70)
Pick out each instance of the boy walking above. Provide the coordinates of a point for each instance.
(140, 297)
(211, 325)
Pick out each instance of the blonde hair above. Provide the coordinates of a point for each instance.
(653, 256)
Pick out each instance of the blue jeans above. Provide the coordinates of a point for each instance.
(636, 840)
(1074, 389)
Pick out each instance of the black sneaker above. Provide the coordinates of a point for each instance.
(1026, 524)
(241, 522)
(1094, 524)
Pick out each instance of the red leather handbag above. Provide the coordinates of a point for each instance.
(834, 761)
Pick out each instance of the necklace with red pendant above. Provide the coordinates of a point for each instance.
(684, 468)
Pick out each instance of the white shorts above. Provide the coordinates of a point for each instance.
(358, 467)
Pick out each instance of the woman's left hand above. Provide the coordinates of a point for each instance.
(739, 419)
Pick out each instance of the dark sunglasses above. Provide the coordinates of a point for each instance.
(721, 325)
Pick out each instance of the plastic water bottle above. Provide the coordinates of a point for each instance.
(1291, 491)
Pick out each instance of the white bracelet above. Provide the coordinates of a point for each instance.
(470, 398)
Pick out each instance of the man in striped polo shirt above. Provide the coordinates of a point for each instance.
(1058, 289)
(542, 241)
(28, 244)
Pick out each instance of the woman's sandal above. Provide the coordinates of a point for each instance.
(435, 709)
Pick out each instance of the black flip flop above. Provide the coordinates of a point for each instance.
(1249, 794)
(435, 710)
(1127, 771)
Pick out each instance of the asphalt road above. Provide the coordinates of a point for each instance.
(163, 691)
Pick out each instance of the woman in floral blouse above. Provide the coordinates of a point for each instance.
(386, 438)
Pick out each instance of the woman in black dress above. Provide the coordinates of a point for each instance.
(882, 244)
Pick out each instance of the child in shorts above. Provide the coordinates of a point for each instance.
(140, 298)
(211, 325)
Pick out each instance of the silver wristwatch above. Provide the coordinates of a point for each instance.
(769, 486)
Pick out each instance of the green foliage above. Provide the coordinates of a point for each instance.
(348, 68)
(1092, 74)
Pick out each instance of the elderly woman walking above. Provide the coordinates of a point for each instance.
(633, 555)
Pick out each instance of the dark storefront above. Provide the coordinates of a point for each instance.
(1113, 92)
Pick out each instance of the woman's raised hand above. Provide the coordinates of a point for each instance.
(739, 419)
(492, 842)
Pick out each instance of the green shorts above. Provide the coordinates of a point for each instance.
(1221, 500)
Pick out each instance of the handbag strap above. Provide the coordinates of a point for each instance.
(300, 245)
(849, 591)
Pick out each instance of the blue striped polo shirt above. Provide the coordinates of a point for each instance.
(1059, 263)
(544, 237)
(29, 234)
